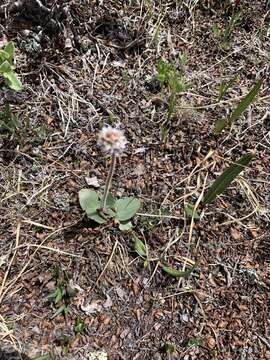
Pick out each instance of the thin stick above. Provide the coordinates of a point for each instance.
(161, 216)
(27, 221)
(11, 261)
(107, 264)
(58, 251)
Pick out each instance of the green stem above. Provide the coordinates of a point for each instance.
(108, 182)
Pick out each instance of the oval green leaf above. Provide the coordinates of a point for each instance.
(126, 208)
(89, 201)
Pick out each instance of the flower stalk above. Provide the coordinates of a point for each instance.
(108, 182)
(112, 141)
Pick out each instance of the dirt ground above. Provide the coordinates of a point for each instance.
(89, 63)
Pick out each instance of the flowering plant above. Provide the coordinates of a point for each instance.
(103, 207)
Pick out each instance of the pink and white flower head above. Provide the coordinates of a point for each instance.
(112, 140)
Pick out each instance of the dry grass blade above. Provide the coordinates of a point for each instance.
(3, 284)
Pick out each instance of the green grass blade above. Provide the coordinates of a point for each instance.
(246, 101)
(177, 273)
(226, 178)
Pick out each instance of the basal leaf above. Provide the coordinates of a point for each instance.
(110, 200)
(110, 213)
(226, 178)
(177, 273)
(95, 216)
(126, 208)
(89, 200)
(125, 226)
(246, 101)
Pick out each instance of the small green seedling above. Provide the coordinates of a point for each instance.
(224, 86)
(79, 327)
(235, 20)
(8, 121)
(141, 249)
(120, 210)
(194, 342)
(63, 294)
(64, 341)
(224, 36)
(175, 84)
(7, 67)
(168, 349)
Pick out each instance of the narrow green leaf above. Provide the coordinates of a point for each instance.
(58, 295)
(177, 273)
(3, 55)
(5, 67)
(126, 208)
(139, 247)
(89, 200)
(190, 211)
(246, 101)
(13, 82)
(52, 296)
(9, 49)
(226, 178)
(125, 226)
(61, 310)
